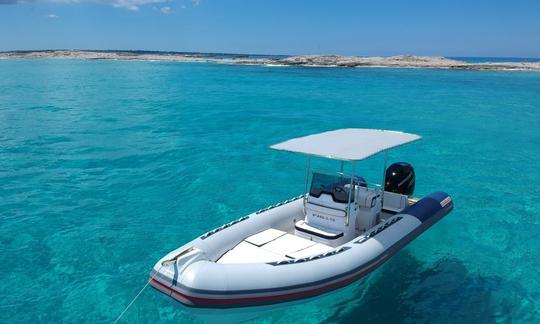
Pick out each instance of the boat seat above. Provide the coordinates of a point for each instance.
(369, 208)
(325, 200)
(323, 212)
(366, 198)
(328, 234)
(395, 202)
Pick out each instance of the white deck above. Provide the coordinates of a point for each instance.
(272, 245)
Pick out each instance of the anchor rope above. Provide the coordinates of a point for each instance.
(137, 296)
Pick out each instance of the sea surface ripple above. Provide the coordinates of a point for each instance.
(105, 166)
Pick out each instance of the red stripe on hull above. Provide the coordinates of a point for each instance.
(261, 300)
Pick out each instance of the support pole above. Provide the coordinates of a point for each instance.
(384, 178)
(351, 189)
(307, 181)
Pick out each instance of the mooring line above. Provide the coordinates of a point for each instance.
(137, 296)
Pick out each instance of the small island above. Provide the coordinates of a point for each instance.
(400, 61)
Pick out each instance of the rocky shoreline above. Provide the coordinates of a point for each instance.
(401, 61)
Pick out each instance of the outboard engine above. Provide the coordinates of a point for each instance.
(400, 178)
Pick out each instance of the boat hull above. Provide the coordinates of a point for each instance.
(196, 281)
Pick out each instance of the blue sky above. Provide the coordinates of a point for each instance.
(448, 28)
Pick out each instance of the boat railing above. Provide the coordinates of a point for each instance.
(222, 227)
(279, 204)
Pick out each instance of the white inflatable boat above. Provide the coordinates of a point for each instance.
(341, 229)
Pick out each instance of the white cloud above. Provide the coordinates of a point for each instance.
(126, 4)
(62, 1)
(52, 16)
(195, 2)
(165, 10)
(132, 4)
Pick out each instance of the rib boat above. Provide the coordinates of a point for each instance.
(340, 229)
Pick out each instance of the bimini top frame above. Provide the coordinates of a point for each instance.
(348, 144)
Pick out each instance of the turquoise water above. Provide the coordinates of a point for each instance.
(107, 165)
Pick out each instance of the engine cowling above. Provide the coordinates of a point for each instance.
(400, 178)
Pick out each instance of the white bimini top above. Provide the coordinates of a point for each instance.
(348, 144)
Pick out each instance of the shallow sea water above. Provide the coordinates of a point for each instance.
(105, 166)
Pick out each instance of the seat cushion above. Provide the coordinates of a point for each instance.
(287, 244)
(366, 198)
(325, 233)
(246, 252)
(264, 237)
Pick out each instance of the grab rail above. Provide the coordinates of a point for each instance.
(279, 204)
(379, 229)
(311, 258)
(214, 231)
(222, 227)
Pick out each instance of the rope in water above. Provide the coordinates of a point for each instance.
(137, 296)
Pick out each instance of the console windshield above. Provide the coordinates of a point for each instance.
(335, 185)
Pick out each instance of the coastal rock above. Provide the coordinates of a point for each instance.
(356, 61)
(400, 61)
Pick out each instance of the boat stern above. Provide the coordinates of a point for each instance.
(431, 208)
